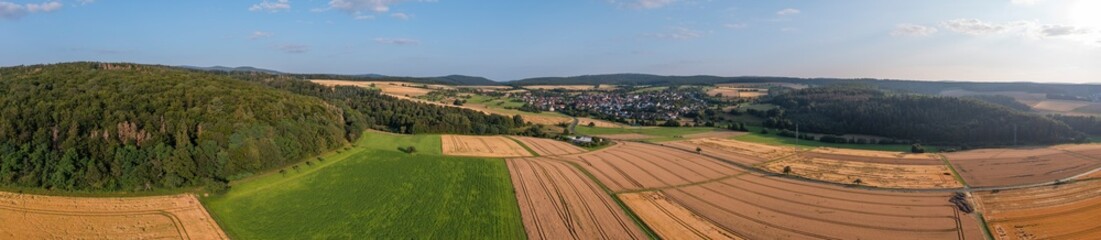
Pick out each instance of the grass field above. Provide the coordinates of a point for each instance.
(374, 191)
(773, 139)
(660, 134)
(495, 102)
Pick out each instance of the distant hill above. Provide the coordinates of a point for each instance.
(233, 69)
(926, 87)
(454, 80)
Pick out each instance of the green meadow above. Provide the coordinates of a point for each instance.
(374, 191)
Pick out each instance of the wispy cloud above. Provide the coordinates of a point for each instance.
(13, 11)
(273, 7)
(678, 33)
(973, 26)
(913, 30)
(788, 11)
(293, 48)
(401, 16)
(259, 34)
(736, 25)
(364, 9)
(643, 4)
(397, 41)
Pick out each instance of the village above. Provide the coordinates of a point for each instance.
(642, 108)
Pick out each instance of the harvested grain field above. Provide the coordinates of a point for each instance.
(670, 220)
(869, 173)
(1009, 167)
(549, 147)
(1066, 211)
(730, 92)
(482, 146)
(761, 207)
(583, 121)
(875, 156)
(390, 88)
(736, 151)
(637, 166)
(602, 87)
(557, 201)
(25, 216)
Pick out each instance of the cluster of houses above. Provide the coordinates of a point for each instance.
(656, 105)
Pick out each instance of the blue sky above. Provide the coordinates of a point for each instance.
(993, 40)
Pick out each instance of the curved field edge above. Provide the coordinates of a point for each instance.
(375, 191)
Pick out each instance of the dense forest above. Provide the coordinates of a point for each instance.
(922, 118)
(128, 127)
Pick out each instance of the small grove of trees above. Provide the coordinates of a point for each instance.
(409, 149)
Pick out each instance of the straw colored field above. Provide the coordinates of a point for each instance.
(1008, 167)
(764, 84)
(549, 147)
(875, 156)
(1060, 105)
(637, 166)
(558, 202)
(572, 87)
(390, 88)
(869, 173)
(737, 151)
(583, 121)
(1052, 212)
(671, 220)
(729, 92)
(46, 217)
(482, 146)
(760, 207)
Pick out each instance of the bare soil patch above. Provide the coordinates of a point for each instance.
(1051, 212)
(671, 220)
(1008, 167)
(733, 150)
(761, 207)
(482, 146)
(46, 217)
(869, 173)
(636, 166)
(549, 147)
(558, 202)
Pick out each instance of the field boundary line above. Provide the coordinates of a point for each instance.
(525, 146)
(683, 185)
(955, 173)
(623, 206)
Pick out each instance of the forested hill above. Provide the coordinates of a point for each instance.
(453, 80)
(927, 119)
(136, 127)
(130, 127)
(926, 87)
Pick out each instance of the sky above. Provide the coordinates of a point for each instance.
(979, 40)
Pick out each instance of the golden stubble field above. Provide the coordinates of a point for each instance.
(24, 216)
(482, 146)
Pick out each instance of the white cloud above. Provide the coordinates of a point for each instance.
(401, 16)
(1025, 2)
(735, 25)
(13, 11)
(973, 26)
(788, 11)
(643, 4)
(85, 2)
(293, 48)
(397, 41)
(913, 30)
(269, 6)
(678, 33)
(1062, 30)
(259, 34)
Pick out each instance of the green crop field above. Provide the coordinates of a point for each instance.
(659, 133)
(493, 102)
(373, 191)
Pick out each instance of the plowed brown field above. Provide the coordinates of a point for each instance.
(45, 217)
(482, 146)
(1007, 167)
(760, 207)
(671, 220)
(736, 151)
(558, 202)
(636, 166)
(549, 147)
(1067, 211)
